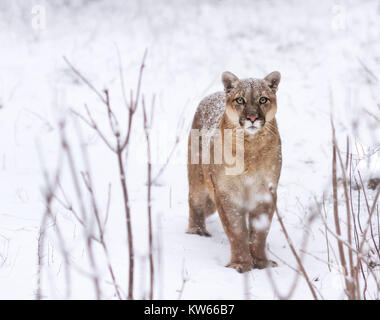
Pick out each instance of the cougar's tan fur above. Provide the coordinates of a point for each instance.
(246, 200)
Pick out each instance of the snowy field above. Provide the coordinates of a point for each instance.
(328, 53)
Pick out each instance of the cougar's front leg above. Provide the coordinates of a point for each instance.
(260, 221)
(197, 221)
(198, 202)
(234, 225)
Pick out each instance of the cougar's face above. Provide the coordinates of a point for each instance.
(250, 103)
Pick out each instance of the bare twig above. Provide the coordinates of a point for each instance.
(88, 236)
(290, 243)
(336, 212)
(50, 188)
(120, 148)
(149, 196)
(351, 282)
(88, 183)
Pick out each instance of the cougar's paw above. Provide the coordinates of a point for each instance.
(199, 231)
(240, 266)
(264, 263)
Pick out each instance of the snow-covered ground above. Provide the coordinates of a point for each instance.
(328, 53)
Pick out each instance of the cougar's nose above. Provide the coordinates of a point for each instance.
(252, 118)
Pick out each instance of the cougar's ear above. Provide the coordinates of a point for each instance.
(273, 79)
(229, 81)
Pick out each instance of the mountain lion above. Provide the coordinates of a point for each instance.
(240, 120)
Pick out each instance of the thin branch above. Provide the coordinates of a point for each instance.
(85, 80)
(290, 243)
(336, 212)
(149, 196)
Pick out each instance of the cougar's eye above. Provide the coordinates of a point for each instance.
(263, 100)
(239, 100)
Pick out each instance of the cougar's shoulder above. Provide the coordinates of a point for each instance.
(210, 111)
